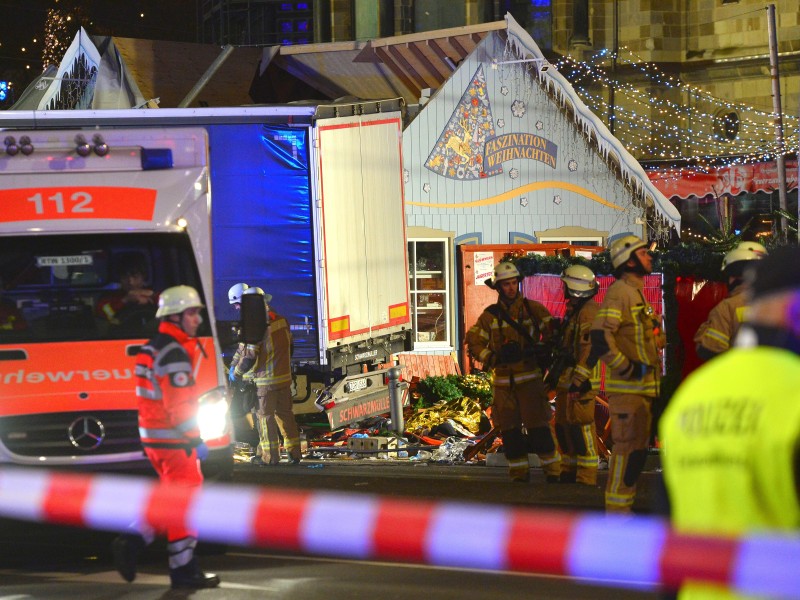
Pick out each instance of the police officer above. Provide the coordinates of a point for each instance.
(507, 338)
(626, 336)
(731, 432)
(578, 384)
(717, 333)
(168, 428)
(268, 364)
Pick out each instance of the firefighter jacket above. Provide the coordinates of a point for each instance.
(724, 320)
(576, 344)
(486, 338)
(237, 358)
(631, 332)
(165, 390)
(730, 435)
(268, 363)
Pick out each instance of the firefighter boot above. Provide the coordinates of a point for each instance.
(190, 576)
(125, 551)
(516, 455)
(519, 469)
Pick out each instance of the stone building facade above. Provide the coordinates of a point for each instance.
(709, 52)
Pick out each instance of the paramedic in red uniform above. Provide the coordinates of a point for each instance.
(168, 428)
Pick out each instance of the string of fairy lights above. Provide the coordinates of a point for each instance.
(653, 125)
(660, 117)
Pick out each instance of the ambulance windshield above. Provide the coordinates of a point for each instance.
(63, 288)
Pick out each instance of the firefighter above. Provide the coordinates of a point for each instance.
(731, 432)
(168, 428)
(626, 335)
(269, 365)
(717, 333)
(235, 299)
(235, 294)
(242, 393)
(512, 338)
(577, 384)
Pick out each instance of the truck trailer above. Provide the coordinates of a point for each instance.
(305, 202)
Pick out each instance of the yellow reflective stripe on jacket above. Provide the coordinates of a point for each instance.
(641, 387)
(615, 362)
(504, 378)
(719, 336)
(609, 313)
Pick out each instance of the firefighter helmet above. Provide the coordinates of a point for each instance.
(580, 281)
(755, 247)
(255, 290)
(505, 270)
(235, 293)
(622, 249)
(744, 251)
(175, 300)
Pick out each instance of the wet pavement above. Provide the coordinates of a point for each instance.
(472, 481)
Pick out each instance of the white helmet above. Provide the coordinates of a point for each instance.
(580, 281)
(175, 300)
(258, 291)
(505, 270)
(623, 248)
(744, 251)
(754, 247)
(235, 293)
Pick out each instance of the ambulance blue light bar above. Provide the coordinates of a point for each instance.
(156, 158)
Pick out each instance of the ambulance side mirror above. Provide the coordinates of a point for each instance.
(254, 318)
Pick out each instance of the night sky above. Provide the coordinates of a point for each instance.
(23, 21)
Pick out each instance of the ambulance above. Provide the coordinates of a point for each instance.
(77, 209)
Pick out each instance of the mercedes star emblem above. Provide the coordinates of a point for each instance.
(86, 433)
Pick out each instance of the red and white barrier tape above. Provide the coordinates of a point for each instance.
(645, 550)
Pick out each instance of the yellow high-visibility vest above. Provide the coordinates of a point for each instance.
(729, 437)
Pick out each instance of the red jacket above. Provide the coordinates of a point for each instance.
(165, 390)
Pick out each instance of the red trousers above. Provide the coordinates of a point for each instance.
(175, 467)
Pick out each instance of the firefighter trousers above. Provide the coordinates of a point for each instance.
(524, 405)
(576, 434)
(275, 418)
(631, 419)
